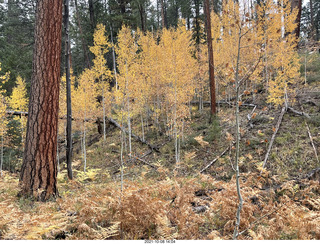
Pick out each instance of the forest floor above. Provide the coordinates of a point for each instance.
(161, 199)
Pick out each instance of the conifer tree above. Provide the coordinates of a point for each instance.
(38, 176)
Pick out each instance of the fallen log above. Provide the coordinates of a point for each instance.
(292, 110)
(274, 136)
(213, 161)
(76, 146)
(311, 139)
(145, 162)
(223, 102)
(20, 113)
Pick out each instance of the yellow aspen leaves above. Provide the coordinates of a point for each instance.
(18, 100)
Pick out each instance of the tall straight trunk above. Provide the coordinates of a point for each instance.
(104, 116)
(128, 109)
(211, 63)
(58, 158)
(142, 17)
(68, 89)
(83, 42)
(114, 59)
(313, 29)
(38, 176)
(164, 14)
(142, 127)
(91, 14)
(236, 228)
(297, 4)
(1, 163)
(197, 22)
(84, 140)
(158, 15)
(84, 148)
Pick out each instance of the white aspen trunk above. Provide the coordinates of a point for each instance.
(305, 68)
(128, 110)
(58, 159)
(236, 228)
(84, 149)
(175, 121)
(9, 160)
(104, 117)
(182, 134)
(158, 109)
(22, 131)
(121, 160)
(142, 127)
(114, 59)
(129, 130)
(282, 21)
(84, 140)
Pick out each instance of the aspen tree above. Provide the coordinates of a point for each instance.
(178, 66)
(126, 52)
(285, 61)
(102, 73)
(85, 105)
(19, 102)
(149, 88)
(238, 52)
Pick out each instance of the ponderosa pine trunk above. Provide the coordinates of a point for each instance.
(39, 168)
(164, 14)
(211, 63)
(297, 4)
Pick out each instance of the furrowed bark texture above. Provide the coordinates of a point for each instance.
(39, 168)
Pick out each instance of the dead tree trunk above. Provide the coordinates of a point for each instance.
(68, 89)
(39, 168)
(210, 54)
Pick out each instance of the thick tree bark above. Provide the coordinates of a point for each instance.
(164, 14)
(297, 4)
(39, 168)
(313, 32)
(91, 14)
(142, 14)
(210, 54)
(197, 23)
(68, 89)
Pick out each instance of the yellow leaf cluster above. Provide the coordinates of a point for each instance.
(18, 100)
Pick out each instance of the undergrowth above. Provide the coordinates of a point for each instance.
(166, 209)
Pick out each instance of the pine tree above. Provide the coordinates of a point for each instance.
(39, 168)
